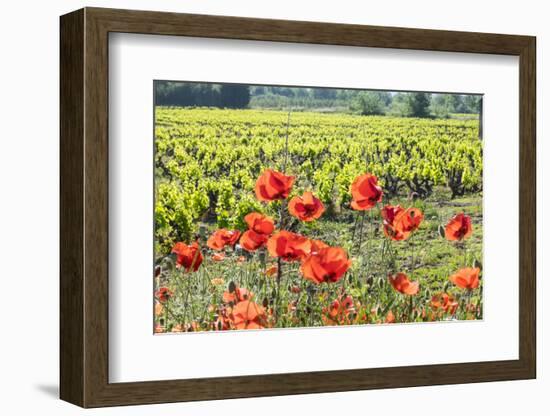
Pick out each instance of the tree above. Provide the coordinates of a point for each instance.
(472, 103)
(400, 106)
(234, 95)
(441, 106)
(324, 93)
(370, 103)
(419, 103)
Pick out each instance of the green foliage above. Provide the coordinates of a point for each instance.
(234, 95)
(445, 105)
(207, 160)
(413, 104)
(426, 257)
(191, 94)
(371, 103)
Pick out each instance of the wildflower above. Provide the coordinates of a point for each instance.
(390, 318)
(444, 302)
(188, 256)
(218, 256)
(402, 284)
(164, 294)
(365, 192)
(236, 294)
(306, 207)
(249, 315)
(458, 228)
(288, 246)
(328, 265)
(399, 223)
(466, 278)
(251, 240)
(340, 311)
(259, 223)
(273, 185)
(222, 237)
(272, 270)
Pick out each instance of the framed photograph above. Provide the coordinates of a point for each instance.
(263, 207)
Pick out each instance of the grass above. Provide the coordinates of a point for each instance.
(197, 303)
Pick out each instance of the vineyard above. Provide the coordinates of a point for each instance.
(208, 167)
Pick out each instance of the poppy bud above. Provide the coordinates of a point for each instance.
(441, 231)
(231, 287)
(167, 262)
(477, 264)
(202, 231)
(261, 257)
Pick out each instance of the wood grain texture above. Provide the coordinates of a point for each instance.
(84, 207)
(71, 208)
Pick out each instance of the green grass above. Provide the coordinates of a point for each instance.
(425, 257)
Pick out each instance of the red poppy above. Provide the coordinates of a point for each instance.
(188, 256)
(444, 302)
(402, 284)
(239, 294)
(365, 192)
(218, 256)
(317, 245)
(164, 294)
(399, 223)
(272, 270)
(328, 265)
(259, 223)
(389, 215)
(222, 237)
(222, 321)
(273, 185)
(249, 315)
(339, 311)
(251, 240)
(289, 246)
(409, 220)
(306, 207)
(458, 228)
(466, 278)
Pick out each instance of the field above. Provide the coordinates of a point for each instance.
(385, 194)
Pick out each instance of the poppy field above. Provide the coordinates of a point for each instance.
(276, 219)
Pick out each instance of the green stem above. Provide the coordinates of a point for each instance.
(361, 231)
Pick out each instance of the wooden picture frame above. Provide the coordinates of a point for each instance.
(84, 207)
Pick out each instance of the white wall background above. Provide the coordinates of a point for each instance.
(29, 84)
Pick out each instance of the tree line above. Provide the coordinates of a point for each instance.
(189, 94)
(400, 104)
